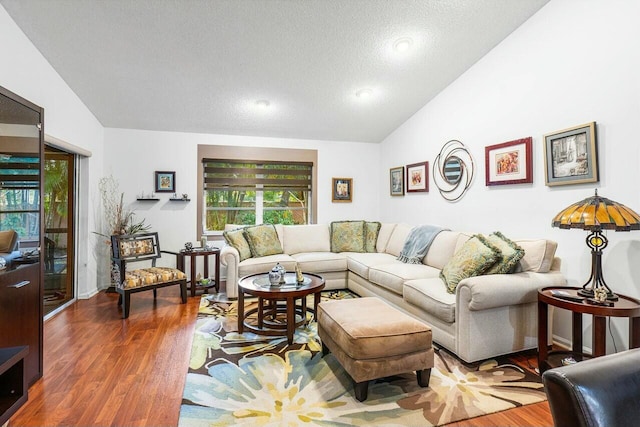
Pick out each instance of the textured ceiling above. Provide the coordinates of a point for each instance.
(199, 66)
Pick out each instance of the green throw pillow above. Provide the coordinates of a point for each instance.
(511, 254)
(347, 236)
(236, 239)
(263, 240)
(475, 257)
(371, 230)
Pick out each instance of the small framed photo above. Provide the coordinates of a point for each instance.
(396, 181)
(165, 182)
(418, 177)
(570, 156)
(509, 163)
(342, 190)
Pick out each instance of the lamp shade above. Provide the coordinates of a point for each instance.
(597, 213)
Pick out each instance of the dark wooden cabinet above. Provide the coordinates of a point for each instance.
(13, 393)
(21, 210)
(21, 317)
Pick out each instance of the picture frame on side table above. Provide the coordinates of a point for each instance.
(165, 182)
(418, 177)
(396, 181)
(570, 156)
(342, 190)
(509, 163)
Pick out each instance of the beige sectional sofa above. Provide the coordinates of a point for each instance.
(488, 315)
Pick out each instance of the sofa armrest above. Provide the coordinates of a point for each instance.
(499, 290)
(230, 258)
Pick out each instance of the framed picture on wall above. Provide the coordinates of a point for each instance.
(418, 177)
(396, 181)
(570, 156)
(342, 190)
(165, 182)
(509, 163)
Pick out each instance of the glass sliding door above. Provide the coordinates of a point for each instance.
(59, 247)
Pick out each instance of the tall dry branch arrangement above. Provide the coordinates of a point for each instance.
(117, 219)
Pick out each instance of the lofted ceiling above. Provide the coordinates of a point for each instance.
(202, 65)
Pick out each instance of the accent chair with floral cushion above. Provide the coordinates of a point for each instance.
(128, 249)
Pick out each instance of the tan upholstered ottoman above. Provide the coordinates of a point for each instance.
(373, 340)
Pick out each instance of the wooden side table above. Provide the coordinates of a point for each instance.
(193, 255)
(624, 307)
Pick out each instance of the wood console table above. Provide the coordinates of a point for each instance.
(624, 307)
(193, 255)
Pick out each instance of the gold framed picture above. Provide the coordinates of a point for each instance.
(342, 190)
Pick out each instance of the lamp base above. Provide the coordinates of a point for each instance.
(588, 293)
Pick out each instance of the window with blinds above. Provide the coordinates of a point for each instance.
(247, 192)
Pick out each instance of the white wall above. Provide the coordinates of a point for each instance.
(571, 63)
(24, 71)
(132, 156)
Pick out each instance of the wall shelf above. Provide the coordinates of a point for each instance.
(179, 200)
(147, 200)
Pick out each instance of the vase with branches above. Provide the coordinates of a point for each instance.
(117, 220)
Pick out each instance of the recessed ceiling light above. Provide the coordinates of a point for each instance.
(263, 103)
(364, 93)
(403, 44)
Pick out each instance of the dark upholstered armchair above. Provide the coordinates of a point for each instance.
(602, 392)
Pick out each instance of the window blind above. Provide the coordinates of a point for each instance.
(247, 175)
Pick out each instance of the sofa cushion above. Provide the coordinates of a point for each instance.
(473, 259)
(462, 239)
(359, 263)
(318, 262)
(386, 229)
(263, 240)
(306, 238)
(236, 239)
(371, 230)
(265, 264)
(151, 276)
(538, 255)
(396, 241)
(393, 275)
(431, 296)
(511, 254)
(442, 249)
(347, 236)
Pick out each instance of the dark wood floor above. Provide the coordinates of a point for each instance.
(102, 370)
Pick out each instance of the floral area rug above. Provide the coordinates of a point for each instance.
(258, 380)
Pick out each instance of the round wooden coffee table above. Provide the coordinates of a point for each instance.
(277, 312)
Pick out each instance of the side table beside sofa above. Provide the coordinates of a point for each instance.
(625, 307)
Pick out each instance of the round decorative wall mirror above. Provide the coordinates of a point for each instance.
(453, 170)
